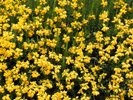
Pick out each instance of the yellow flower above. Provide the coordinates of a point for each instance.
(41, 43)
(5, 26)
(128, 51)
(73, 74)
(105, 28)
(69, 87)
(84, 21)
(19, 38)
(26, 46)
(106, 39)
(51, 43)
(3, 66)
(58, 10)
(66, 38)
(35, 74)
(113, 42)
(57, 96)
(81, 33)
(31, 93)
(115, 59)
(101, 53)
(50, 22)
(84, 86)
(63, 25)
(91, 17)
(44, 10)
(6, 97)
(62, 3)
(61, 87)
(90, 47)
(57, 31)
(74, 0)
(95, 93)
(130, 9)
(74, 5)
(8, 53)
(10, 87)
(69, 29)
(25, 89)
(87, 59)
(69, 60)
(115, 20)
(104, 3)
(103, 15)
(2, 89)
(76, 14)
(37, 10)
(129, 75)
(63, 15)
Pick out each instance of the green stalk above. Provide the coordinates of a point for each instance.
(65, 55)
(83, 10)
(58, 44)
(74, 41)
(63, 63)
(66, 50)
(53, 14)
(91, 11)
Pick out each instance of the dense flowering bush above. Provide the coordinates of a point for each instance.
(66, 50)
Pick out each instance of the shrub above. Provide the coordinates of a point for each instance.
(66, 49)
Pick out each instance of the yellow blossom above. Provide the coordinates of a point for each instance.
(104, 3)
(66, 38)
(35, 74)
(95, 93)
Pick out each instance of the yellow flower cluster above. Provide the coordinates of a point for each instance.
(49, 50)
